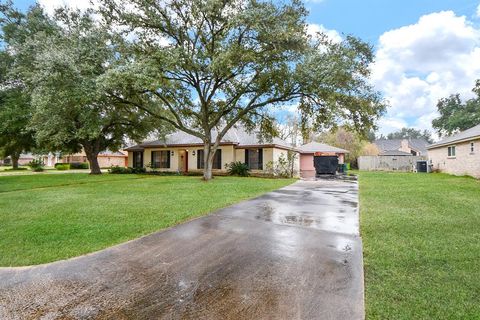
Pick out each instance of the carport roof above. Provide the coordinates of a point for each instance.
(313, 147)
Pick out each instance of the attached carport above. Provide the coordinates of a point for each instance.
(319, 158)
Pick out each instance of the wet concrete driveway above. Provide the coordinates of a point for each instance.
(294, 253)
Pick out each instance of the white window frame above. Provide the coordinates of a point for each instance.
(472, 147)
(452, 151)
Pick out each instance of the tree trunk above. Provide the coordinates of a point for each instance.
(208, 155)
(15, 158)
(92, 157)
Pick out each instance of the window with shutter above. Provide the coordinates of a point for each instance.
(217, 159)
(161, 159)
(200, 159)
(254, 159)
(138, 159)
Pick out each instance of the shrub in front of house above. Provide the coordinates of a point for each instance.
(36, 165)
(62, 166)
(138, 170)
(119, 170)
(79, 165)
(284, 167)
(238, 168)
(123, 170)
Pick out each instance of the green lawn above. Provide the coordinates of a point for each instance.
(421, 237)
(49, 217)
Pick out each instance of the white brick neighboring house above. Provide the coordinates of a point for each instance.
(458, 154)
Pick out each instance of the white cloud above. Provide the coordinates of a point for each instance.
(478, 11)
(418, 64)
(313, 29)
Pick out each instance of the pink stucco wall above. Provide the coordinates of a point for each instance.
(306, 162)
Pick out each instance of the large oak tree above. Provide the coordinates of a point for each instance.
(61, 72)
(457, 115)
(204, 66)
(15, 102)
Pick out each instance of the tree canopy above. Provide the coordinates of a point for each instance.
(457, 115)
(61, 70)
(15, 103)
(205, 66)
(411, 133)
(345, 138)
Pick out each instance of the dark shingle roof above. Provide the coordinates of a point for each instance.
(395, 153)
(395, 144)
(461, 136)
(237, 136)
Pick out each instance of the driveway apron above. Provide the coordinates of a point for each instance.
(294, 253)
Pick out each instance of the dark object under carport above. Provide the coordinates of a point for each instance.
(325, 164)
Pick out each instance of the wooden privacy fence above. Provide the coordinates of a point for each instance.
(388, 163)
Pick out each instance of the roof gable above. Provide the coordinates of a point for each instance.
(471, 133)
(236, 135)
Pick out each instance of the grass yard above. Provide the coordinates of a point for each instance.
(421, 237)
(49, 217)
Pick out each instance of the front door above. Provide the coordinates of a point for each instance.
(183, 161)
(138, 159)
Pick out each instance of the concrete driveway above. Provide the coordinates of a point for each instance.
(294, 253)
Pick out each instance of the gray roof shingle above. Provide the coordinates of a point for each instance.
(395, 153)
(461, 136)
(313, 147)
(395, 144)
(236, 135)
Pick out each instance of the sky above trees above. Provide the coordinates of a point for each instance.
(425, 50)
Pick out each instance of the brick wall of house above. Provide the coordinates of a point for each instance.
(107, 162)
(465, 162)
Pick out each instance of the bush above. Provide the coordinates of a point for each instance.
(237, 168)
(79, 165)
(62, 166)
(36, 165)
(119, 170)
(138, 170)
(123, 170)
(284, 167)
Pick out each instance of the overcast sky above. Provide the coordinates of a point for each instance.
(425, 49)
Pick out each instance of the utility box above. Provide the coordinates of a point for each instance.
(422, 166)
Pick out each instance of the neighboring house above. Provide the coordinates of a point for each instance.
(319, 158)
(415, 147)
(24, 159)
(181, 152)
(105, 159)
(458, 154)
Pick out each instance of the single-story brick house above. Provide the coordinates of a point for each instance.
(458, 154)
(312, 150)
(415, 147)
(182, 152)
(24, 159)
(105, 159)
